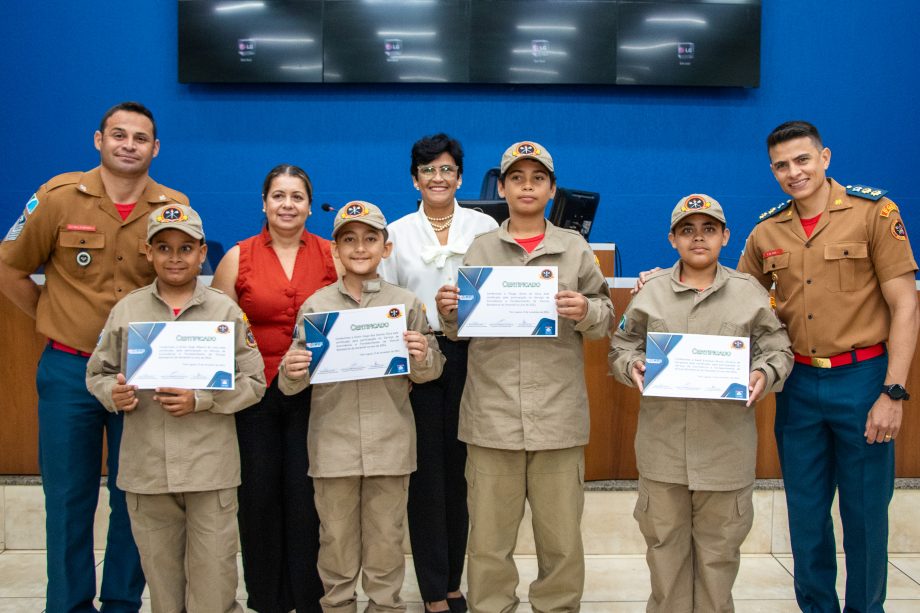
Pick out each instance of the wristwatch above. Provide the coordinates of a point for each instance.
(896, 391)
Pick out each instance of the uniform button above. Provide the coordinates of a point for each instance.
(82, 241)
(808, 245)
(810, 316)
(118, 290)
(808, 281)
(813, 350)
(845, 252)
(119, 258)
(774, 266)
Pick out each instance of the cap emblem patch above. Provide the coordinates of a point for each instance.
(172, 214)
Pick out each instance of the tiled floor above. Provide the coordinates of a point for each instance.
(614, 583)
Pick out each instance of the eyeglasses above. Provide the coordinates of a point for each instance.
(445, 170)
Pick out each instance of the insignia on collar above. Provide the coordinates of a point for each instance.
(773, 211)
(864, 191)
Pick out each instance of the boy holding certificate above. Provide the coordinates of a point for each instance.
(361, 437)
(524, 412)
(696, 457)
(179, 463)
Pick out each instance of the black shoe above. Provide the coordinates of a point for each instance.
(457, 605)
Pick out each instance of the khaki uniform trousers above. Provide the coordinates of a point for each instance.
(499, 481)
(188, 544)
(362, 525)
(694, 544)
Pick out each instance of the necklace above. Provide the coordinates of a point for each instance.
(439, 224)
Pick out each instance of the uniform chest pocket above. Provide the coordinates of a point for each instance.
(80, 252)
(777, 266)
(848, 266)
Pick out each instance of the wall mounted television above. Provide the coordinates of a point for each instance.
(565, 42)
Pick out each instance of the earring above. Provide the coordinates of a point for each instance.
(263, 209)
(416, 188)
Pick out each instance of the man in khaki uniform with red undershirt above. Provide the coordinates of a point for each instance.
(844, 286)
(88, 229)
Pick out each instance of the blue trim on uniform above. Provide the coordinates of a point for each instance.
(820, 420)
(71, 423)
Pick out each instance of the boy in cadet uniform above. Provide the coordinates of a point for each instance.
(524, 412)
(696, 457)
(180, 464)
(361, 439)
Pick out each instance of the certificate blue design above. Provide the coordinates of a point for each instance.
(140, 338)
(507, 301)
(317, 327)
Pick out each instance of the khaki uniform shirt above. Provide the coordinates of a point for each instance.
(364, 428)
(196, 452)
(92, 258)
(529, 393)
(827, 286)
(704, 444)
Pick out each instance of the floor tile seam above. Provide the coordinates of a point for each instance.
(893, 563)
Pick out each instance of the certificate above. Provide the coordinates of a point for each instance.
(196, 355)
(357, 343)
(507, 301)
(697, 366)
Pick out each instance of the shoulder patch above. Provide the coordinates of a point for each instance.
(16, 229)
(782, 206)
(864, 191)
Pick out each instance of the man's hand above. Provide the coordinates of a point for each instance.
(756, 386)
(175, 400)
(643, 277)
(884, 420)
(296, 363)
(123, 394)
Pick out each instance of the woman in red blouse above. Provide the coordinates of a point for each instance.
(270, 275)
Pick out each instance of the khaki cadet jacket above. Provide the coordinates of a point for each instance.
(92, 258)
(193, 453)
(827, 286)
(364, 428)
(705, 444)
(529, 393)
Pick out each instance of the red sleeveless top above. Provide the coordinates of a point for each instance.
(269, 300)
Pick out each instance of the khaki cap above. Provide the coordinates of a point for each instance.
(175, 217)
(697, 203)
(358, 210)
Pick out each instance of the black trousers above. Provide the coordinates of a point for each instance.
(438, 516)
(279, 527)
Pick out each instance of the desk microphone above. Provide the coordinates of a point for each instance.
(327, 207)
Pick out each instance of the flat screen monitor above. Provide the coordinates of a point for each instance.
(574, 209)
(250, 41)
(496, 209)
(543, 41)
(396, 41)
(689, 43)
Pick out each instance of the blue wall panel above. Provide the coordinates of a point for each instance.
(849, 66)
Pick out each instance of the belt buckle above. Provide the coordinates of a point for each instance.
(821, 362)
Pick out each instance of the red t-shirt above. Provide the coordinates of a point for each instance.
(529, 244)
(809, 224)
(125, 209)
(269, 300)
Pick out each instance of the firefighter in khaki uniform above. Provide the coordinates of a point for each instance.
(180, 462)
(844, 286)
(88, 230)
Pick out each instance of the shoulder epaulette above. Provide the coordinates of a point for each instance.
(773, 211)
(864, 191)
(68, 178)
